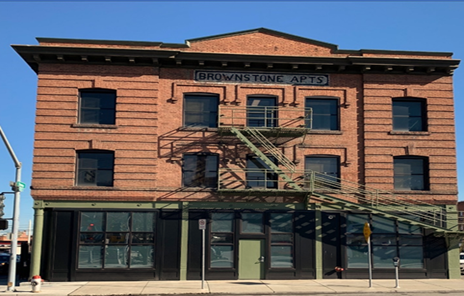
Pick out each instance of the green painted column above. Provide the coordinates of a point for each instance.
(318, 243)
(184, 241)
(36, 253)
(454, 270)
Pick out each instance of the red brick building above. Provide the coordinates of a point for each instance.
(285, 145)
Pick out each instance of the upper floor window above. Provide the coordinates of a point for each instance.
(409, 114)
(97, 106)
(325, 113)
(201, 110)
(410, 173)
(95, 168)
(200, 170)
(259, 174)
(328, 166)
(262, 112)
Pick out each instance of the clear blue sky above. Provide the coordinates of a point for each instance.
(415, 26)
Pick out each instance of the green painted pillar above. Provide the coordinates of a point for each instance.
(318, 243)
(36, 253)
(184, 241)
(454, 270)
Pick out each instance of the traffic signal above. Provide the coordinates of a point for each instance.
(3, 224)
(2, 205)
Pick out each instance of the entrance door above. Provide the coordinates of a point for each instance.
(251, 259)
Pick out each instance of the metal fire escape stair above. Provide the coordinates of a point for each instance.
(381, 203)
(271, 149)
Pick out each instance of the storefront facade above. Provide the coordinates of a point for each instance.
(286, 146)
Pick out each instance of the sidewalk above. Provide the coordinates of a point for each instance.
(239, 287)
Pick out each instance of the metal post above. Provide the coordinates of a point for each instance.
(14, 239)
(369, 252)
(397, 280)
(203, 259)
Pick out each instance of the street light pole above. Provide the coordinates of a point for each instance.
(15, 226)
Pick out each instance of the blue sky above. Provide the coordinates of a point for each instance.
(414, 25)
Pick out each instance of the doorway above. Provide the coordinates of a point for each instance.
(251, 259)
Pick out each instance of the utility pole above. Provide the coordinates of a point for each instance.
(17, 187)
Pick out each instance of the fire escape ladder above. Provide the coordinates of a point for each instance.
(273, 151)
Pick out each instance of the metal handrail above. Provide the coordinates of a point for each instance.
(270, 148)
(265, 117)
(320, 184)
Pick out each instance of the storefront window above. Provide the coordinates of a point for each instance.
(252, 223)
(357, 252)
(281, 240)
(222, 240)
(116, 240)
(389, 239)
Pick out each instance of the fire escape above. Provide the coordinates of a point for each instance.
(262, 130)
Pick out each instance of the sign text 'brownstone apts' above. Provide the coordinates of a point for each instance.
(267, 78)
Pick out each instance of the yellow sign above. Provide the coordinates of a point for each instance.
(367, 231)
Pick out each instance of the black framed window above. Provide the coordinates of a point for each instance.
(324, 112)
(389, 239)
(282, 240)
(97, 106)
(328, 168)
(116, 240)
(410, 173)
(200, 170)
(356, 245)
(251, 223)
(259, 174)
(95, 168)
(409, 114)
(201, 110)
(222, 240)
(262, 112)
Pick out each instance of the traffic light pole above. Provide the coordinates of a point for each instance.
(15, 226)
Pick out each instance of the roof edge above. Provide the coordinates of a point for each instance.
(98, 41)
(266, 31)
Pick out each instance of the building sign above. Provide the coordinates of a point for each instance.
(265, 78)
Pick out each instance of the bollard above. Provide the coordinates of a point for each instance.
(36, 283)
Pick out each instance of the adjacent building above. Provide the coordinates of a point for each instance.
(281, 147)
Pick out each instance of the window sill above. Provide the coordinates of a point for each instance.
(405, 133)
(404, 192)
(325, 132)
(102, 126)
(198, 129)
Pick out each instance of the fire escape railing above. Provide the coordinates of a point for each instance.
(251, 126)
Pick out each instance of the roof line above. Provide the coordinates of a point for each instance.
(97, 41)
(266, 31)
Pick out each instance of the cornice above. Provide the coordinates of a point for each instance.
(36, 54)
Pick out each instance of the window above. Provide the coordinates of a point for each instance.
(222, 240)
(97, 106)
(389, 239)
(95, 168)
(325, 113)
(200, 170)
(201, 110)
(328, 168)
(261, 112)
(355, 241)
(410, 173)
(259, 174)
(252, 223)
(409, 114)
(116, 240)
(281, 240)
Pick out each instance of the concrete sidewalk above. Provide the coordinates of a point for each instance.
(241, 287)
